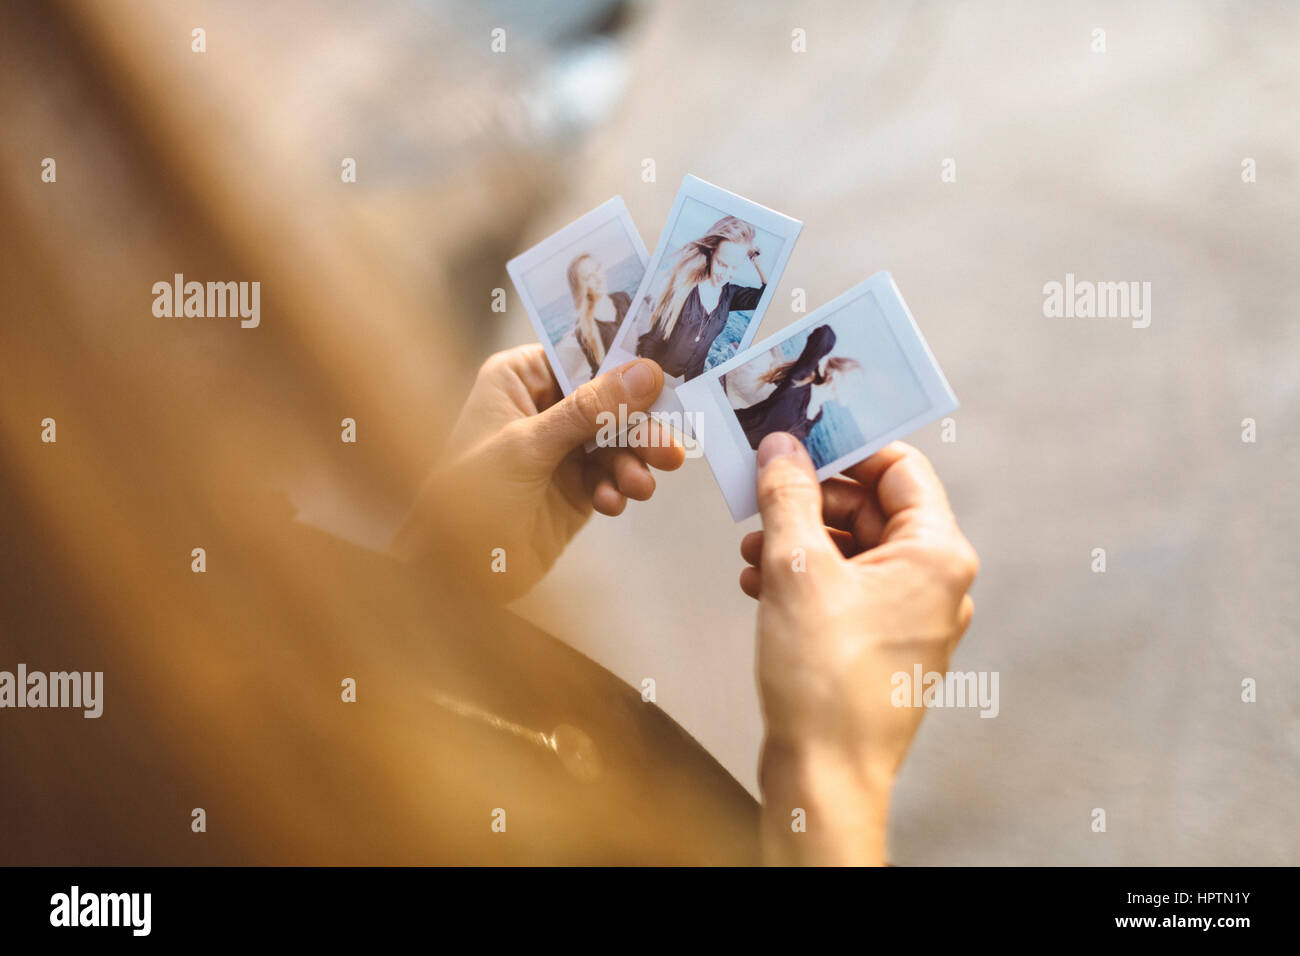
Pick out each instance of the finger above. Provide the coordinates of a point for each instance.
(868, 471)
(573, 481)
(631, 475)
(656, 445)
(790, 501)
(852, 507)
(605, 496)
(590, 408)
(964, 615)
(911, 496)
(847, 544)
(607, 501)
(523, 373)
(535, 372)
(751, 582)
(522, 377)
(629, 472)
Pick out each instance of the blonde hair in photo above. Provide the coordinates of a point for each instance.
(692, 266)
(584, 303)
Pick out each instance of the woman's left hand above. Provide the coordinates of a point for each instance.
(515, 476)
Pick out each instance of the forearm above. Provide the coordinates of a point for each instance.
(844, 811)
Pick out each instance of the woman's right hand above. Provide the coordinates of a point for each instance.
(857, 579)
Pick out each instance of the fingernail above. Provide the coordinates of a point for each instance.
(776, 445)
(639, 379)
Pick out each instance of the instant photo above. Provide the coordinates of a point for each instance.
(578, 286)
(710, 280)
(846, 380)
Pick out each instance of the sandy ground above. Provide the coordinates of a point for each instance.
(1120, 690)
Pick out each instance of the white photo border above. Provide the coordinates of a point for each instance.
(734, 463)
(522, 264)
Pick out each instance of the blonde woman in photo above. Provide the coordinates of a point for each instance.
(692, 308)
(599, 313)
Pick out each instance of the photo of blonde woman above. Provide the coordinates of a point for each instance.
(713, 274)
(577, 287)
(692, 306)
(598, 311)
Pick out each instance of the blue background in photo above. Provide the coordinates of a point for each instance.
(727, 345)
(558, 316)
(835, 435)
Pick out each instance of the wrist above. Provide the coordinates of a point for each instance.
(822, 808)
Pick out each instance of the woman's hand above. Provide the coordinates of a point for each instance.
(514, 475)
(857, 579)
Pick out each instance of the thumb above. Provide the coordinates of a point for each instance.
(790, 501)
(579, 416)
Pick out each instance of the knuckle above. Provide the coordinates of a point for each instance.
(518, 430)
(820, 559)
(784, 476)
(960, 562)
(972, 560)
(909, 450)
(948, 557)
(516, 437)
(492, 365)
(787, 488)
(586, 405)
(913, 457)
